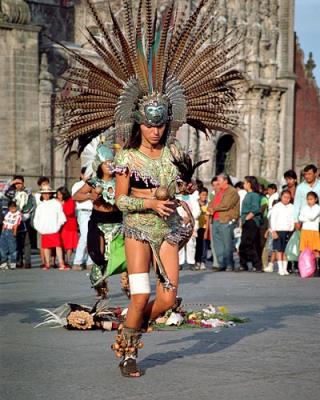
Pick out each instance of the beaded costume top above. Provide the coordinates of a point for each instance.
(146, 172)
(108, 189)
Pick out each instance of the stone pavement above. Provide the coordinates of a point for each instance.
(274, 356)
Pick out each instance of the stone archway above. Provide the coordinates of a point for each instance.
(226, 155)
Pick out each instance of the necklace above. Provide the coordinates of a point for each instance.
(146, 147)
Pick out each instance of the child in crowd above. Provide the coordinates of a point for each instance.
(310, 218)
(69, 230)
(282, 226)
(273, 196)
(43, 181)
(8, 242)
(48, 220)
(201, 242)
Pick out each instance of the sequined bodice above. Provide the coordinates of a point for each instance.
(146, 172)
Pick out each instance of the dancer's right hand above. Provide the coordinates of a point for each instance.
(163, 207)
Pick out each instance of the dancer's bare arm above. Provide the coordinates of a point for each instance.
(85, 193)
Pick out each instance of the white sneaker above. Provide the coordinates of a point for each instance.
(4, 266)
(269, 267)
(12, 265)
(285, 268)
(203, 266)
(197, 266)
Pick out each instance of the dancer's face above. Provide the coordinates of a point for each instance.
(151, 135)
(106, 167)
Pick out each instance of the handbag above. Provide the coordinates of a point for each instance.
(117, 262)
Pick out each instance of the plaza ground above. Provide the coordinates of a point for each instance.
(274, 356)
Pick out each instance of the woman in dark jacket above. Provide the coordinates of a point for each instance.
(251, 219)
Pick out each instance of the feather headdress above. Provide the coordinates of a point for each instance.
(157, 68)
(100, 149)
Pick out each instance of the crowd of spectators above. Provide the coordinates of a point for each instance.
(247, 226)
(240, 226)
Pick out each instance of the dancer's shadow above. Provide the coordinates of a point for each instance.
(193, 277)
(30, 309)
(203, 342)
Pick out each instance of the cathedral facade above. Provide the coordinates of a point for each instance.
(31, 66)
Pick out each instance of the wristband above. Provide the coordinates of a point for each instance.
(129, 204)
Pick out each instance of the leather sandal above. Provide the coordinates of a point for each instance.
(63, 267)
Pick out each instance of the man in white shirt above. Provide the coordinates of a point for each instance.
(84, 209)
(310, 184)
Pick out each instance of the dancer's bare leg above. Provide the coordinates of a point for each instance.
(68, 256)
(59, 253)
(165, 299)
(47, 256)
(138, 261)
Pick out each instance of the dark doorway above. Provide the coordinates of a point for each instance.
(73, 166)
(226, 156)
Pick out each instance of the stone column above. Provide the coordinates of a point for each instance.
(207, 151)
(286, 25)
(286, 78)
(242, 29)
(256, 131)
(45, 117)
(254, 34)
(274, 39)
(272, 136)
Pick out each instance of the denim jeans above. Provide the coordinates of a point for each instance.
(82, 256)
(8, 246)
(201, 247)
(214, 256)
(223, 241)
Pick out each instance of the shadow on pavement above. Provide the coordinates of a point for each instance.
(207, 343)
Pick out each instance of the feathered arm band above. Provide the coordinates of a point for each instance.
(129, 204)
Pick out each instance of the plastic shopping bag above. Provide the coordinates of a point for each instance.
(307, 263)
(293, 247)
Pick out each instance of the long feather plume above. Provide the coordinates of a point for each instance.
(185, 165)
(171, 56)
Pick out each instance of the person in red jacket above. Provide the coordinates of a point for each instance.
(69, 231)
